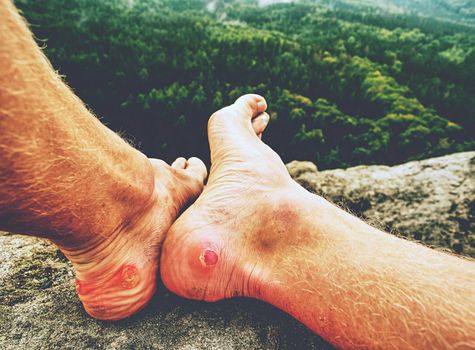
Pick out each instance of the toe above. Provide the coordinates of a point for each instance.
(189, 182)
(179, 163)
(260, 122)
(197, 169)
(250, 105)
(240, 112)
(230, 129)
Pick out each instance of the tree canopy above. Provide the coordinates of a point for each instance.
(345, 85)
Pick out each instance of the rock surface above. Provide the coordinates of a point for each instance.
(39, 310)
(432, 200)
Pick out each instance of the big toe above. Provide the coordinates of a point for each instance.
(240, 113)
(250, 105)
(239, 124)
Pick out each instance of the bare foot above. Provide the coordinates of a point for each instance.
(116, 273)
(224, 245)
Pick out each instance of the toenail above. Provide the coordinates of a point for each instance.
(209, 258)
(129, 276)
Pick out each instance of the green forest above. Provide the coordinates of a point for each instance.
(346, 83)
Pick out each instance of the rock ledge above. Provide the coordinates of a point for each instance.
(430, 200)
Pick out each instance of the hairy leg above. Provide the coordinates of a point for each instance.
(66, 177)
(255, 232)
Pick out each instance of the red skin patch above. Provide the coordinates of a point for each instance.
(209, 257)
(130, 276)
(127, 277)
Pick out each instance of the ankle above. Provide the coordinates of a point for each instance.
(282, 232)
(127, 203)
(123, 197)
(295, 227)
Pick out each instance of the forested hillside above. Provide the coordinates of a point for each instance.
(345, 84)
(449, 10)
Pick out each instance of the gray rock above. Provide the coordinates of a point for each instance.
(432, 201)
(297, 168)
(39, 310)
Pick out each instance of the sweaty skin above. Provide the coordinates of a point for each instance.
(255, 232)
